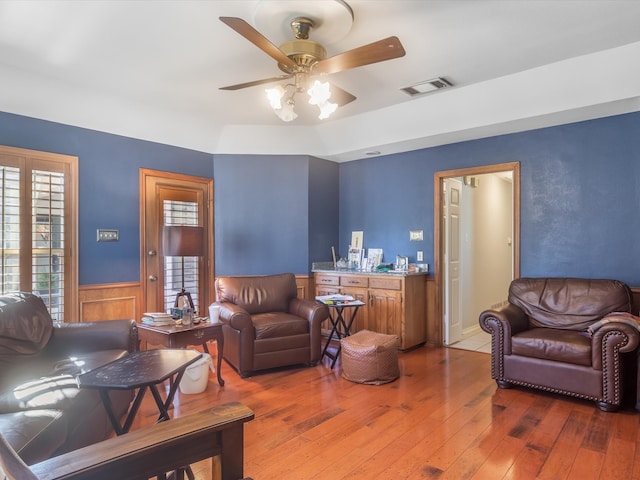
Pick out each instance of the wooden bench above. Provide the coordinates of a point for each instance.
(216, 433)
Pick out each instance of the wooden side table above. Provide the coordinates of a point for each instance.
(340, 327)
(177, 336)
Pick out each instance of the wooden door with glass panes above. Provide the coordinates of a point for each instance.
(178, 200)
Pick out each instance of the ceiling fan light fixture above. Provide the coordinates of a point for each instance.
(319, 92)
(275, 96)
(286, 113)
(301, 58)
(283, 104)
(326, 109)
(319, 95)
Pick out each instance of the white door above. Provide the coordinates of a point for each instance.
(452, 305)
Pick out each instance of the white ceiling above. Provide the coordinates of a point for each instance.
(152, 70)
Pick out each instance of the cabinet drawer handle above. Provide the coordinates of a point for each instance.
(198, 335)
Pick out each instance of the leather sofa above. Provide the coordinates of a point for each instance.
(42, 411)
(561, 335)
(265, 325)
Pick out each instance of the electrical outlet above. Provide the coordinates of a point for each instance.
(419, 256)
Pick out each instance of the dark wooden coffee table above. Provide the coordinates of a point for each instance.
(177, 336)
(139, 370)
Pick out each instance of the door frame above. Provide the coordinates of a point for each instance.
(180, 179)
(438, 233)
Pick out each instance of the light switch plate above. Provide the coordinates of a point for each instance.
(107, 235)
(415, 235)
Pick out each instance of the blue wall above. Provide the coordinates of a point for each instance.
(580, 197)
(324, 208)
(109, 187)
(273, 214)
(262, 214)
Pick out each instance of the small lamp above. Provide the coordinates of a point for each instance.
(182, 241)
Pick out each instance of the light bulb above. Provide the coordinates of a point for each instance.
(326, 109)
(275, 95)
(286, 113)
(319, 92)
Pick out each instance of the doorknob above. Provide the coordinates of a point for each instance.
(152, 253)
(153, 278)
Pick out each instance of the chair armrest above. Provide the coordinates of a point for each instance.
(616, 332)
(159, 448)
(92, 336)
(11, 465)
(234, 316)
(313, 312)
(502, 324)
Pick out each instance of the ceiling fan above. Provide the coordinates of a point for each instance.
(302, 59)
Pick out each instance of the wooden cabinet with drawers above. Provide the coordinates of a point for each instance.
(394, 304)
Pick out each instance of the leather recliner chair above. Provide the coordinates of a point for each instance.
(560, 335)
(265, 325)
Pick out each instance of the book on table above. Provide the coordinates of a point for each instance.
(157, 319)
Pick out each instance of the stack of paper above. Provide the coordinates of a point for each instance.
(336, 298)
(157, 319)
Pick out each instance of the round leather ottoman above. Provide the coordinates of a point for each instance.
(370, 357)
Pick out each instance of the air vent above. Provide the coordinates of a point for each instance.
(427, 86)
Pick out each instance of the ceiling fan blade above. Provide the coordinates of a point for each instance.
(256, 82)
(385, 49)
(340, 96)
(259, 40)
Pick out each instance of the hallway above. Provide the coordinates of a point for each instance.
(477, 342)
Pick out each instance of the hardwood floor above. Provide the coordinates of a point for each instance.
(444, 418)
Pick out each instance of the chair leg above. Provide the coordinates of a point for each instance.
(503, 384)
(607, 407)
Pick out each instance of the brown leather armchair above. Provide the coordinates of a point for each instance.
(43, 413)
(559, 335)
(265, 325)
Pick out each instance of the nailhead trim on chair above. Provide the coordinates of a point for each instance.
(493, 326)
(551, 390)
(605, 379)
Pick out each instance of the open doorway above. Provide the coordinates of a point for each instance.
(477, 245)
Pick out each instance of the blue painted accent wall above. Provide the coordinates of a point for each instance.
(109, 187)
(385, 197)
(262, 214)
(324, 196)
(580, 197)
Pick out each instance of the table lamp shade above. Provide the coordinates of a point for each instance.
(182, 241)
